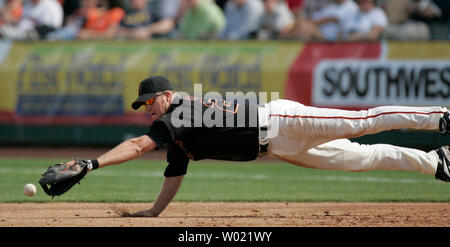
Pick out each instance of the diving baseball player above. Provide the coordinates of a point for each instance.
(240, 130)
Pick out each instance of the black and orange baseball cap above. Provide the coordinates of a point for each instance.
(149, 87)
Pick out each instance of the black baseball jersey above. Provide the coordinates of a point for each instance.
(200, 128)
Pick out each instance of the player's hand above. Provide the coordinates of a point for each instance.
(73, 162)
(61, 177)
(143, 213)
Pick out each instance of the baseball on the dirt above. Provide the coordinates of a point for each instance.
(29, 190)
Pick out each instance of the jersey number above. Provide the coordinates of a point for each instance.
(219, 104)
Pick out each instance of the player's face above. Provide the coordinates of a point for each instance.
(157, 106)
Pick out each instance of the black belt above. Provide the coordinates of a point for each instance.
(263, 148)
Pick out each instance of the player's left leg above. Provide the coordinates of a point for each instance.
(294, 128)
(332, 124)
(345, 155)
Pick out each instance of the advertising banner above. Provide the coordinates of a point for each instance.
(92, 83)
(362, 75)
(370, 83)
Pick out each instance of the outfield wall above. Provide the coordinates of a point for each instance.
(81, 92)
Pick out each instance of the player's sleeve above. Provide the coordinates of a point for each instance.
(159, 133)
(178, 161)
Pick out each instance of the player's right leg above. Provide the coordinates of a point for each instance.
(345, 155)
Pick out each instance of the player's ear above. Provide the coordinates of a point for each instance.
(169, 97)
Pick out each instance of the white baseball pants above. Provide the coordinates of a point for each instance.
(317, 137)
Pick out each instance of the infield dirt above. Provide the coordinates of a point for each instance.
(223, 214)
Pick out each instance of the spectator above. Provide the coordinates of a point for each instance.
(203, 19)
(401, 26)
(40, 18)
(331, 19)
(310, 7)
(294, 6)
(10, 12)
(75, 21)
(182, 7)
(327, 23)
(435, 13)
(101, 22)
(164, 13)
(276, 21)
(242, 17)
(221, 4)
(368, 23)
(303, 27)
(70, 7)
(137, 21)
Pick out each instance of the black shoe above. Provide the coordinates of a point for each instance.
(443, 169)
(444, 123)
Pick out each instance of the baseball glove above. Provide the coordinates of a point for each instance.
(59, 178)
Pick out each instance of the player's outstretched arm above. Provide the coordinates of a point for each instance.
(60, 178)
(127, 150)
(168, 191)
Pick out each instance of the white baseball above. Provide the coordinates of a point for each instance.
(29, 190)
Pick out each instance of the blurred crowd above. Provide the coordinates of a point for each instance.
(318, 20)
